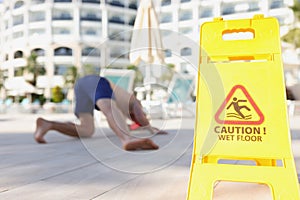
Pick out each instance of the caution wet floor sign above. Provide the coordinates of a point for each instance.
(241, 110)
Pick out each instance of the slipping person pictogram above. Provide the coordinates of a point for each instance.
(237, 107)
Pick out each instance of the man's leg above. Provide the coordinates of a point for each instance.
(84, 129)
(132, 109)
(138, 116)
(117, 123)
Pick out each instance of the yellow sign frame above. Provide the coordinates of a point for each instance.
(253, 65)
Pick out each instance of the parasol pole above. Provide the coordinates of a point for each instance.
(147, 81)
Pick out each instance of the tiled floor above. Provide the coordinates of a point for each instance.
(97, 168)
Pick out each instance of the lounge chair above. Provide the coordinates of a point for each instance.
(178, 100)
(121, 77)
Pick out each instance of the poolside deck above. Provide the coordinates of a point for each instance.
(97, 168)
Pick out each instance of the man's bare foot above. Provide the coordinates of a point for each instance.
(42, 126)
(136, 144)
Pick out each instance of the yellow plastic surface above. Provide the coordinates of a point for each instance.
(241, 110)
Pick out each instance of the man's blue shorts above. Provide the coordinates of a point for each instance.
(88, 90)
(103, 91)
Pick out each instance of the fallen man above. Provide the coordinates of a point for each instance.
(96, 92)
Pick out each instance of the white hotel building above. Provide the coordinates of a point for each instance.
(186, 17)
(64, 33)
(68, 33)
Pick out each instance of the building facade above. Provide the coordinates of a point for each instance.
(186, 16)
(65, 33)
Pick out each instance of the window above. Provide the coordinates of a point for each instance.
(91, 1)
(18, 54)
(90, 15)
(36, 32)
(36, 16)
(168, 53)
(116, 19)
(18, 4)
(205, 12)
(228, 9)
(90, 69)
(19, 71)
(33, 2)
(17, 20)
(38, 51)
(91, 32)
(166, 17)
(62, 15)
(132, 5)
(186, 51)
(62, 1)
(131, 21)
(277, 4)
(6, 24)
(116, 3)
(117, 35)
(18, 34)
(61, 69)
(63, 51)
(186, 30)
(90, 51)
(281, 20)
(166, 2)
(253, 6)
(61, 31)
(118, 52)
(185, 15)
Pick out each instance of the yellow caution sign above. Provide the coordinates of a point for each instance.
(241, 110)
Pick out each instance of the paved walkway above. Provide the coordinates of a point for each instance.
(97, 168)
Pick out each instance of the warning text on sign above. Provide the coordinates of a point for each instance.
(241, 133)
